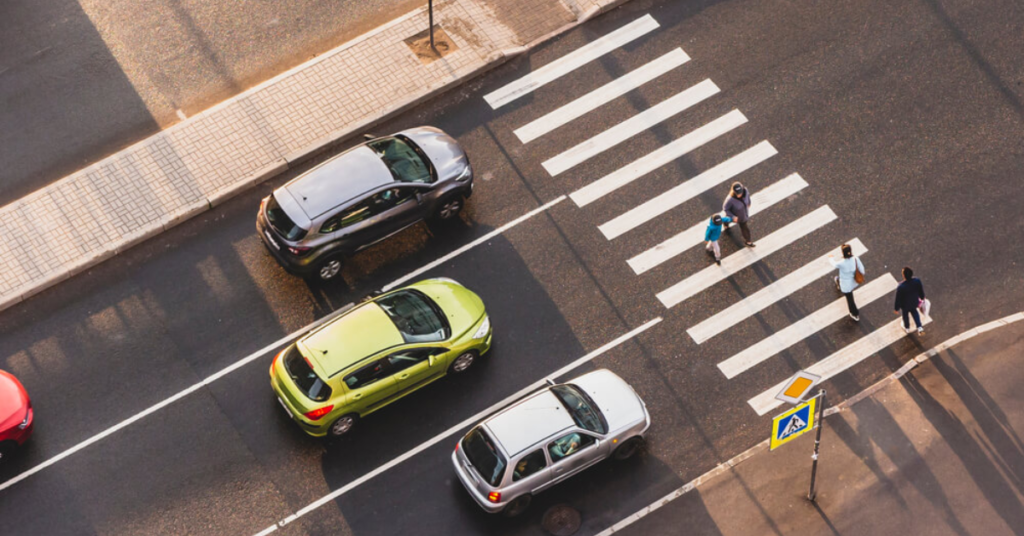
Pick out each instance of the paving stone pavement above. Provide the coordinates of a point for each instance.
(106, 208)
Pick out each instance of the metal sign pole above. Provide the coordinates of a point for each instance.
(430, 8)
(817, 442)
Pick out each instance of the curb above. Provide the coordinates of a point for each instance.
(842, 406)
(494, 60)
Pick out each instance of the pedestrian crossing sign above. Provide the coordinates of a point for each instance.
(793, 423)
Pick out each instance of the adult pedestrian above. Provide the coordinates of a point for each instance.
(737, 208)
(910, 296)
(850, 270)
(713, 233)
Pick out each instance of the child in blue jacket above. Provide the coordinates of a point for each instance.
(713, 233)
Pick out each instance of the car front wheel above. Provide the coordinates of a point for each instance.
(517, 506)
(628, 448)
(463, 362)
(450, 208)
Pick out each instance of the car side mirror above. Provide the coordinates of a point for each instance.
(369, 136)
(419, 197)
(550, 382)
(431, 360)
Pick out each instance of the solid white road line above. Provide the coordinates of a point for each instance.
(713, 274)
(571, 62)
(686, 191)
(685, 240)
(849, 356)
(602, 95)
(760, 300)
(473, 244)
(462, 425)
(630, 127)
(766, 348)
(654, 160)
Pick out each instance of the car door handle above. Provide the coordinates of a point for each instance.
(403, 376)
(357, 396)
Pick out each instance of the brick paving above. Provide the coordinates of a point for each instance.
(104, 209)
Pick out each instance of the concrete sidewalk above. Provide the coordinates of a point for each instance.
(938, 451)
(139, 192)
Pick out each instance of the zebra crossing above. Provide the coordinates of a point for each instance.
(807, 221)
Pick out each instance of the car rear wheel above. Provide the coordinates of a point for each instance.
(342, 426)
(517, 506)
(463, 362)
(450, 208)
(329, 269)
(628, 448)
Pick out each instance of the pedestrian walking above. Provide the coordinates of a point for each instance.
(851, 275)
(910, 296)
(737, 208)
(713, 233)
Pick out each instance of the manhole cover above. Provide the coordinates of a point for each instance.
(561, 520)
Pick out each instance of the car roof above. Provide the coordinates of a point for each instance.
(339, 180)
(359, 333)
(524, 424)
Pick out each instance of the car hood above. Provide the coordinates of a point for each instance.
(461, 306)
(618, 401)
(444, 152)
(13, 399)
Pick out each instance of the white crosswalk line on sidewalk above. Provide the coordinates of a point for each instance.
(760, 300)
(654, 160)
(685, 240)
(713, 274)
(630, 127)
(841, 360)
(687, 190)
(570, 62)
(805, 327)
(602, 95)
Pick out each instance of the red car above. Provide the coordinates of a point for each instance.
(15, 414)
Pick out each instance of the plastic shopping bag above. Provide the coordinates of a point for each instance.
(925, 306)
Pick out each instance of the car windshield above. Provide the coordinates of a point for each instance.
(406, 162)
(488, 462)
(416, 316)
(582, 408)
(302, 374)
(280, 220)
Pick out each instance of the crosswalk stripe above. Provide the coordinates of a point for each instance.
(570, 62)
(602, 95)
(654, 160)
(759, 201)
(630, 127)
(686, 191)
(713, 274)
(760, 300)
(805, 327)
(841, 360)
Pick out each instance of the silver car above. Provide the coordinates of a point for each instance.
(362, 196)
(547, 437)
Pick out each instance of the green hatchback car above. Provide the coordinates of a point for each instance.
(378, 352)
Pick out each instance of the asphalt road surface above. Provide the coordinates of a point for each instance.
(904, 120)
(80, 80)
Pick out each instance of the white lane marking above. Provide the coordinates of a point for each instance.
(713, 274)
(473, 244)
(685, 240)
(570, 62)
(767, 348)
(849, 356)
(660, 204)
(254, 356)
(602, 95)
(760, 300)
(462, 425)
(630, 127)
(654, 160)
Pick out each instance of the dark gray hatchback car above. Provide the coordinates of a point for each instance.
(363, 196)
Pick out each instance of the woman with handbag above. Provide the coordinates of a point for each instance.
(851, 275)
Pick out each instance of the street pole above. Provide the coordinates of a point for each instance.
(430, 8)
(817, 442)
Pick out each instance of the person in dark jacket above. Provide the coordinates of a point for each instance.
(713, 233)
(737, 207)
(909, 295)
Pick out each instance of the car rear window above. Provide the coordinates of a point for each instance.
(416, 316)
(281, 222)
(581, 407)
(302, 374)
(481, 452)
(405, 160)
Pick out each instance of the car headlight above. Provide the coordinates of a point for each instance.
(24, 423)
(465, 175)
(484, 328)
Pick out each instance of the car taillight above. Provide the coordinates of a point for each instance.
(299, 251)
(273, 363)
(316, 414)
(457, 446)
(494, 496)
(263, 205)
